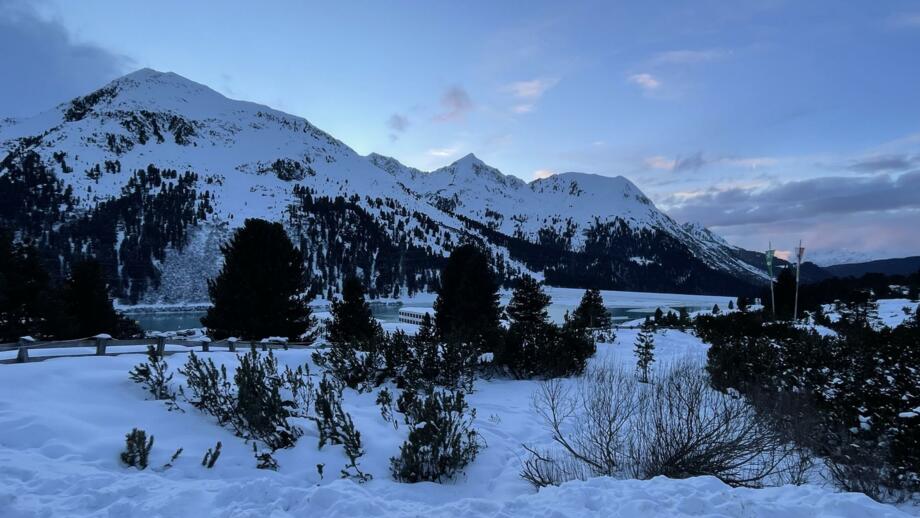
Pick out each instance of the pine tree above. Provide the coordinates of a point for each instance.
(467, 308)
(260, 289)
(591, 313)
(527, 308)
(645, 352)
(715, 309)
(27, 301)
(353, 323)
(86, 301)
(731, 305)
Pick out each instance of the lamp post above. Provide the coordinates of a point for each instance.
(769, 256)
(799, 253)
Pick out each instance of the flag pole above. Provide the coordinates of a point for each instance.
(769, 257)
(799, 253)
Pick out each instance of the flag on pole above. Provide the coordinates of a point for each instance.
(769, 255)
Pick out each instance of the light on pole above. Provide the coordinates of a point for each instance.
(799, 253)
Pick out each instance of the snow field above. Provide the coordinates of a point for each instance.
(63, 421)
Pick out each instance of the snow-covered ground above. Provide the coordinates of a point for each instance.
(891, 312)
(63, 421)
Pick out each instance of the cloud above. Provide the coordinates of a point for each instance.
(398, 124)
(528, 92)
(660, 162)
(688, 57)
(884, 163)
(442, 152)
(533, 89)
(456, 103)
(522, 108)
(647, 82)
(44, 66)
(826, 196)
(698, 160)
(907, 20)
(540, 174)
(690, 163)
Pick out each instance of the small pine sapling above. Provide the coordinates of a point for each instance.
(645, 352)
(441, 440)
(154, 377)
(137, 449)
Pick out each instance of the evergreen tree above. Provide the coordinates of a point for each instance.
(731, 305)
(683, 316)
(591, 313)
(715, 309)
(527, 308)
(27, 302)
(86, 303)
(534, 346)
(353, 323)
(743, 304)
(645, 352)
(356, 355)
(259, 292)
(467, 308)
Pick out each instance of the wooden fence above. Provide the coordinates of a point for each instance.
(104, 346)
(108, 346)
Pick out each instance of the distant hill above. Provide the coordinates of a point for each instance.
(900, 266)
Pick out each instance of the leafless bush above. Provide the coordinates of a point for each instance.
(676, 425)
(684, 428)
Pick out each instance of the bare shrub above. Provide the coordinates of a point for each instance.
(683, 428)
(676, 425)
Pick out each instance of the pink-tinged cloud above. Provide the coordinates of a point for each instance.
(456, 103)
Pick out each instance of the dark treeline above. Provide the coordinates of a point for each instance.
(34, 304)
(844, 290)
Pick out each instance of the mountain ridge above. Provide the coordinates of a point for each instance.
(111, 149)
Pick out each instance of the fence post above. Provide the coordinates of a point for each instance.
(252, 345)
(161, 346)
(100, 345)
(22, 356)
(231, 344)
(264, 346)
(205, 344)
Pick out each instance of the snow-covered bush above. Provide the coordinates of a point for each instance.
(154, 376)
(252, 405)
(137, 449)
(335, 426)
(441, 439)
(860, 384)
(260, 407)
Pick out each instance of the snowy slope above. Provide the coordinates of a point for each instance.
(235, 142)
(567, 203)
(60, 439)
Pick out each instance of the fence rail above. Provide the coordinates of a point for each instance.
(105, 346)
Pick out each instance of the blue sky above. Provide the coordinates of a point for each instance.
(766, 120)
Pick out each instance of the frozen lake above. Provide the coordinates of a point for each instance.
(623, 305)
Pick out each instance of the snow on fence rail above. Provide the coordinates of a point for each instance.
(103, 344)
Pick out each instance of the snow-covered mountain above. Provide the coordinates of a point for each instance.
(151, 172)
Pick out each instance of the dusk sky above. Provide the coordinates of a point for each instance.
(764, 120)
